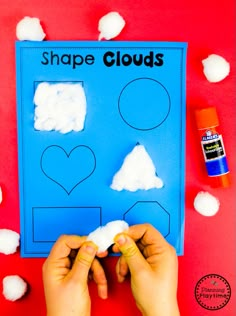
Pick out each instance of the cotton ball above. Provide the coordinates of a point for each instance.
(104, 236)
(9, 241)
(206, 204)
(49, 124)
(0, 195)
(14, 287)
(60, 107)
(137, 172)
(42, 94)
(68, 128)
(215, 68)
(110, 25)
(29, 29)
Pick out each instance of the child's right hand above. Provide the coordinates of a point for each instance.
(153, 265)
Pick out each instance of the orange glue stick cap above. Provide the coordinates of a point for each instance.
(206, 117)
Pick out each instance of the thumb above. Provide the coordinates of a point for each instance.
(83, 262)
(131, 253)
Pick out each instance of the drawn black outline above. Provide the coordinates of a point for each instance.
(68, 155)
(169, 105)
(168, 214)
(99, 208)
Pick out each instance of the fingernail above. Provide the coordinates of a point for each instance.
(121, 240)
(103, 293)
(90, 250)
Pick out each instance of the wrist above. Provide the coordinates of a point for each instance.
(85, 313)
(172, 312)
(169, 309)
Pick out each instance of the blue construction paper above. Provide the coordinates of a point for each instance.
(135, 93)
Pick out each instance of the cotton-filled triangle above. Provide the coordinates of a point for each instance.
(137, 172)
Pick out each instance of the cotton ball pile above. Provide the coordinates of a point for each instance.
(29, 29)
(60, 107)
(110, 25)
(215, 68)
(137, 172)
(206, 204)
(104, 236)
(14, 287)
(9, 241)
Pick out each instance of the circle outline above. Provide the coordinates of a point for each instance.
(169, 104)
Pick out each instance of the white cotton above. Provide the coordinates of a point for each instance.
(137, 172)
(206, 204)
(110, 25)
(29, 29)
(104, 236)
(215, 68)
(14, 287)
(59, 107)
(9, 241)
(0, 195)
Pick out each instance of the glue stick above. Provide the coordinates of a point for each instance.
(212, 146)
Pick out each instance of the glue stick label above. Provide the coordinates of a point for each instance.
(214, 153)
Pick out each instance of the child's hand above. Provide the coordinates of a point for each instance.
(153, 265)
(65, 278)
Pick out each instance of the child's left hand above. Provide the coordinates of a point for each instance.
(66, 280)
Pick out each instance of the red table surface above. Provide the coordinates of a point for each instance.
(209, 27)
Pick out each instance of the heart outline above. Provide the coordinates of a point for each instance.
(68, 156)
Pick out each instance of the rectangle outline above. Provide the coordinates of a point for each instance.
(60, 207)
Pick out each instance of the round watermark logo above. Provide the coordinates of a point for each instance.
(212, 292)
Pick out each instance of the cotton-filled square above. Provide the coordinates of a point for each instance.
(59, 107)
